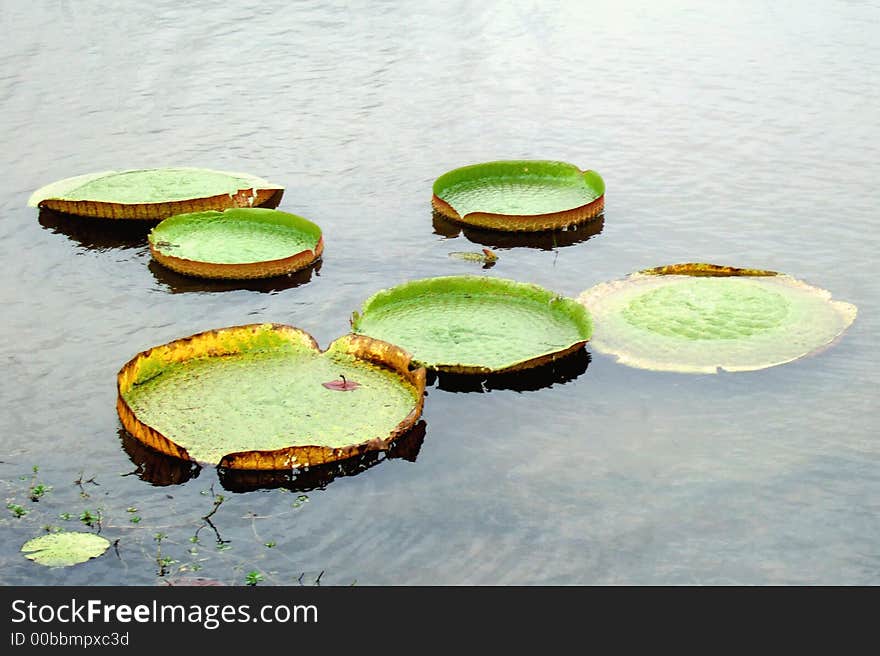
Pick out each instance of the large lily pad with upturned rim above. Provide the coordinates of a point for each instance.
(519, 195)
(153, 194)
(702, 318)
(475, 324)
(253, 397)
(238, 243)
(64, 548)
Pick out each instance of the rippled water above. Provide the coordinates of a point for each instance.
(744, 134)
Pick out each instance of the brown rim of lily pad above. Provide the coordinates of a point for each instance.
(251, 338)
(75, 196)
(205, 244)
(246, 271)
(583, 198)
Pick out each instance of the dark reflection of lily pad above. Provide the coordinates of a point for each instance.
(178, 283)
(156, 468)
(545, 241)
(558, 372)
(96, 234)
(319, 477)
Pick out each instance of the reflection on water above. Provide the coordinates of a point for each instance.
(177, 283)
(162, 470)
(545, 241)
(97, 234)
(553, 373)
(103, 234)
(156, 468)
(319, 477)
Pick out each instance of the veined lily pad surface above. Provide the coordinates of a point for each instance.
(253, 397)
(475, 324)
(236, 243)
(700, 318)
(65, 548)
(520, 195)
(153, 194)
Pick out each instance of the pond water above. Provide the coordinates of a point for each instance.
(743, 134)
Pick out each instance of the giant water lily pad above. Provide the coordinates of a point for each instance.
(474, 324)
(700, 318)
(236, 243)
(519, 195)
(63, 549)
(153, 194)
(253, 397)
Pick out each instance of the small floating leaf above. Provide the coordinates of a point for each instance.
(342, 385)
(519, 195)
(486, 256)
(699, 318)
(65, 548)
(154, 193)
(475, 324)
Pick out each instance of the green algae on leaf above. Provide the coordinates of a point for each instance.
(152, 194)
(475, 324)
(252, 397)
(65, 548)
(701, 318)
(519, 195)
(239, 243)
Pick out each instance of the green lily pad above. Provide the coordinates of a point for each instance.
(702, 318)
(65, 548)
(474, 324)
(253, 397)
(519, 195)
(154, 193)
(236, 243)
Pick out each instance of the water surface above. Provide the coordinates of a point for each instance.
(744, 135)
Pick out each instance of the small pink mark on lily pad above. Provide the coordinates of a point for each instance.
(342, 385)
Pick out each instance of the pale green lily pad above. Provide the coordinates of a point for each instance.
(475, 324)
(698, 318)
(154, 193)
(64, 549)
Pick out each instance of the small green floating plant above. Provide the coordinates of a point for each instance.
(64, 548)
(702, 318)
